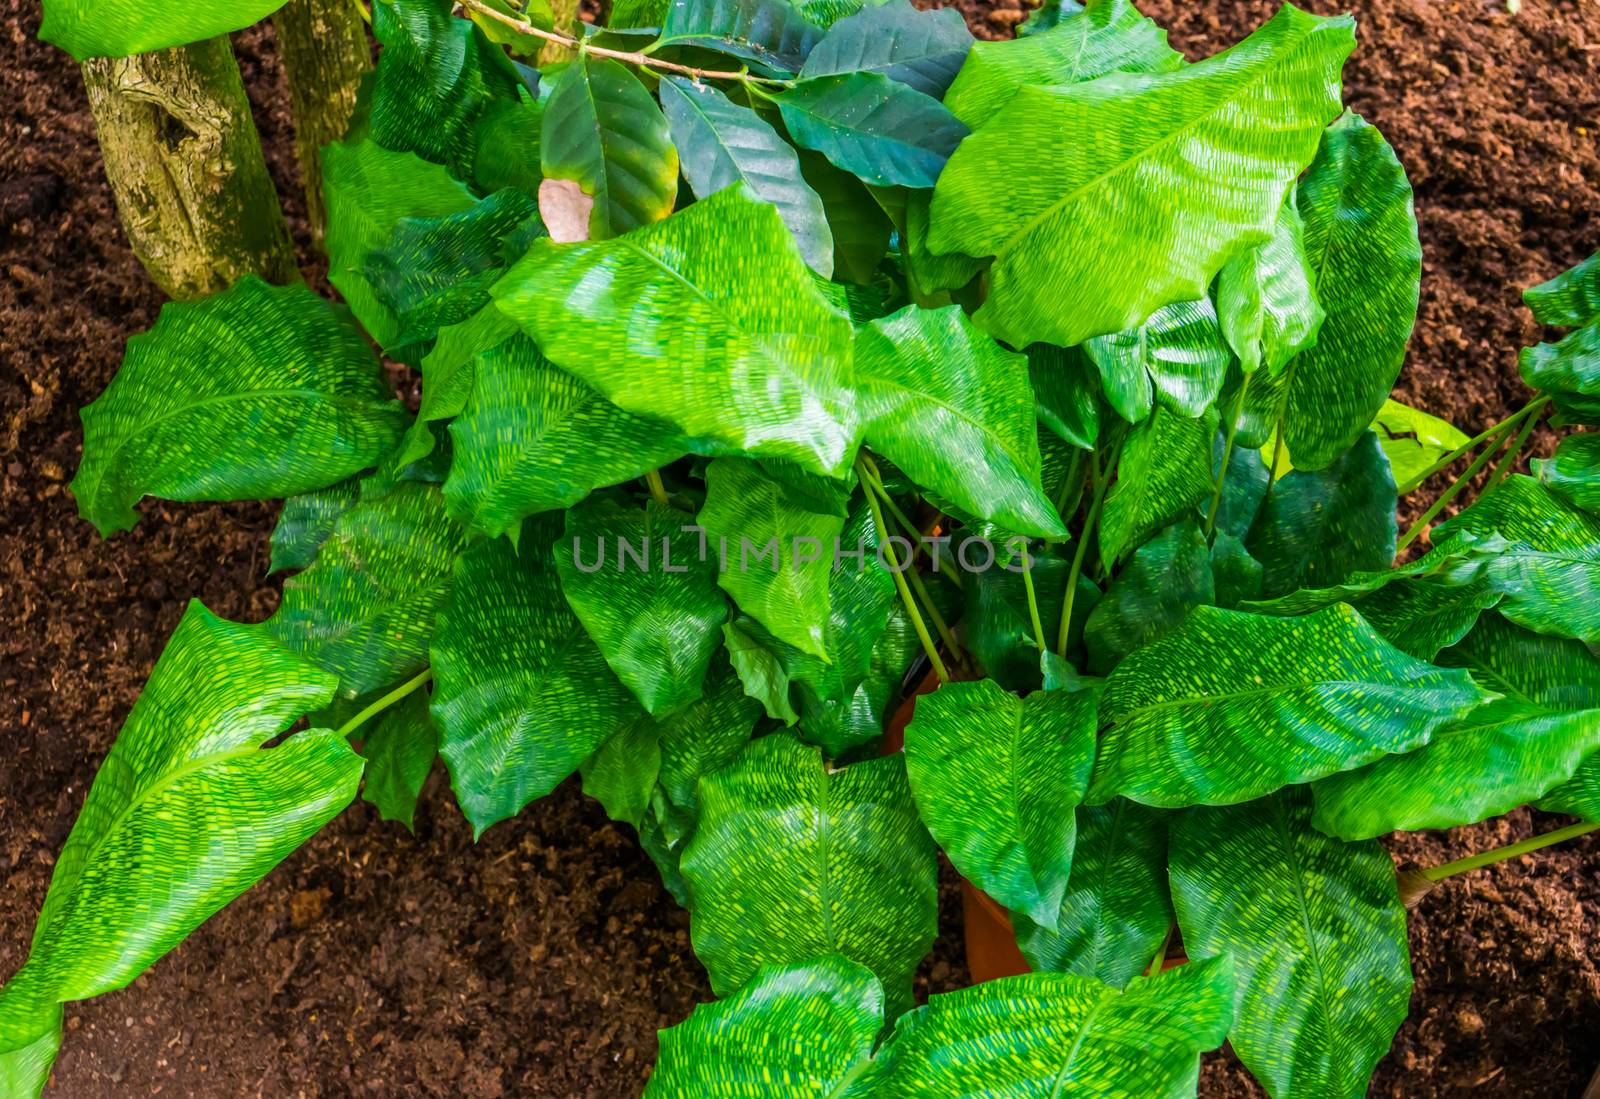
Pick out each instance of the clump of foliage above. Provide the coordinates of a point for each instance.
(743, 273)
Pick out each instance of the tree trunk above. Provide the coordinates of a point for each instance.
(185, 164)
(325, 53)
(565, 21)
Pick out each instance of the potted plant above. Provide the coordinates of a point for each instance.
(1050, 375)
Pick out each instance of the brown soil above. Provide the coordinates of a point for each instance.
(542, 960)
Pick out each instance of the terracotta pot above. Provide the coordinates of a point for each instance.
(991, 942)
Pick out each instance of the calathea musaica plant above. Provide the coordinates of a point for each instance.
(774, 356)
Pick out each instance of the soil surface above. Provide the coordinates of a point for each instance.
(542, 960)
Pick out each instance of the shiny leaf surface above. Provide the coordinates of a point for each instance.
(882, 131)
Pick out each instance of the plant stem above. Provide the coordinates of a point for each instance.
(632, 57)
(1154, 968)
(658, 491)
(1472, 443)
(1073, 485)
(1033, 600)
(1510, 851)
(1509, 462)
(1444, 498)
(863, 467)
(386, 701)
(872, 480)
(1102, 481)
(1227, 455)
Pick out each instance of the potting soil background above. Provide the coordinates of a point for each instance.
(542, 960)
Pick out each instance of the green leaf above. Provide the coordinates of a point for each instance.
(604, 132)
(438, 80)
(926, 273)
(1165, 469)
(636, 13)
(435, 272)
(655, 611)
(752, 651)
(365, 608)
(955, 411)
(860, 228)
(533, 438)
(1317, 527)
(1116, 910)
(369, 189)
(1361, 240)
(96, 28)
(1244, 487)
(1317, 934)
(1421, 616)
(1109, 37)
(996, 778)
(668, 322)
(447, 377)
(1573, 472)
(791, 861)
(723, 143)
(704, 736)
(1504, 754)
(798, 1029)
(999, 626)
(622, 773)
(1553, 672)
(188, 810)
(1570, 299)
(521, 695)
(1413, 440)
(1065, 393)
(1267, 297)
(882, 131)
(1166, 578)
(1045, 1034)
(25, 1070)
(259, 392)
(922, 49)
(1177, 355)
(1188, 713)
(1112, 208)
(774, 542)
(1551, 572)
(1235, 575)
(399, 749)
(306, 521)
(769, 32)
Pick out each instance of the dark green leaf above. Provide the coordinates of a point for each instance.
(532, 438)
(1420, 616)
(399, 748)
(1570, 299)
(1557, 673)
(1361, 240)
(774, 544)
(1165, 469)
(1505, 753)
(447, 377)
(923, 49)
(521, 695)
(188, 778)
(999, 627)
(622, 773)
(927, 273)
(259, 392)
(604, 132)
(791, 861)
(1316, 528)
(877, 129)
(769, 32)
(1189, 713)
(723, 143)
(1573, 472)
(669, 322)
(798, 1029)
(1116, 910)
(752, 650)
(1111, 209)
(1109, 37)
(859, 226)
(1317, 934)
(997, 779)
(1065, 393)
(365, 608)
(1243, 488)
(1236, 575)
(1166, 578)
(955, 411)
(650, 601)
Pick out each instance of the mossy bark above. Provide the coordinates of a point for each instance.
(185, 164)
(323, 44)
(565, 21)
